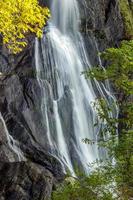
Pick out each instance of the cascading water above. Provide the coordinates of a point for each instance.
(12, 145)
(60, 58)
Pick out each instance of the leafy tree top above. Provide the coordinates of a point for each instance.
(18, 18)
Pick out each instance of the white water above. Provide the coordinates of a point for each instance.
(12, 144)
(61, 144)
(64, 58)
(43, 106)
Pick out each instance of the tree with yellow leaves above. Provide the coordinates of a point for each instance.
(18, 18)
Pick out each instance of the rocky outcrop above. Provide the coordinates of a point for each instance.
(25, 181)
(103, 18)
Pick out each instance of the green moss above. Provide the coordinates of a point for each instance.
(126, 9)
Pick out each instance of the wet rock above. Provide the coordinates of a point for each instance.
(103, 18)
(25, 181)
(6, 152)
(27, 170)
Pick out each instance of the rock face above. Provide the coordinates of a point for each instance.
(101, 19)
(106, 21)
(25, 180)
(27, 170)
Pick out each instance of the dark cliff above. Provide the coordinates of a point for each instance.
(20, 102)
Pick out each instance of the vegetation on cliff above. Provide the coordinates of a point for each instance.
(19, 18)
(112, 179)
(126, 9)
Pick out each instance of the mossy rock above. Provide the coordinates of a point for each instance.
(126, 9)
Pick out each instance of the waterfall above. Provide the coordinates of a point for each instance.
(60, 57)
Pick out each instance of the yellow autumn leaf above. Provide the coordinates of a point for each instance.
(19, 18)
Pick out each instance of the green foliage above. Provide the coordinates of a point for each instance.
(92, 187)
(18, 18)
(120, 68)
(126, 8)
(120, 72)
